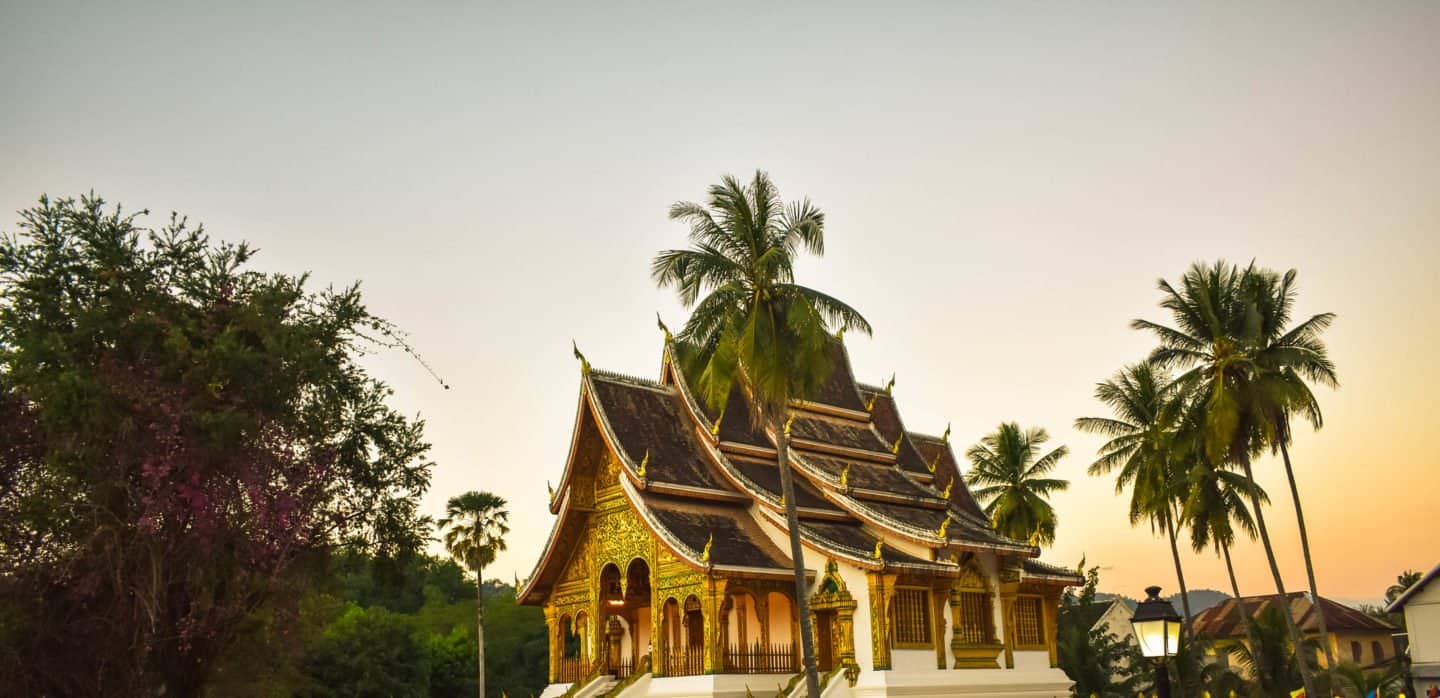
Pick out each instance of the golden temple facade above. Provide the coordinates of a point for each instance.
(666, 572)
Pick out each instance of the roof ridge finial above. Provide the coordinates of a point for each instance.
(948, 487)
(945, 438)
(668, 337)
(551, 490)
(788, 422)
(715, 428)
(934, 463)
(895, 449)
(640, 471)
(890, 386)
(845, 477)
(879, 546)
(584, 363)
(705, 554)
(944, 527)
(840, 335)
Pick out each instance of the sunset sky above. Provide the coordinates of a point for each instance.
(1004, 184)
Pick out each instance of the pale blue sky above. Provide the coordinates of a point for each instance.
(1004, 184)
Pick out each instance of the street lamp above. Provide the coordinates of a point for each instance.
(1157, 627)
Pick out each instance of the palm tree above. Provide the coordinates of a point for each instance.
(1271, 668)
(1143, 402)
(1362, 682)
(1286, 359)
(1215, 339)
(1403, 582)
(475, 525)
(1012, 479)
(752, 325)
(1214, 508)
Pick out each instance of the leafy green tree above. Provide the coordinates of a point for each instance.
(1141, 439)
(1010, 474)
(1100, 664)
(1229, 350)
(183, 436)
(475, 526)
(370, 653)
(751, 323)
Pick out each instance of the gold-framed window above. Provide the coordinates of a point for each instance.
(1029, 622)
(976, 618)
(911, 614)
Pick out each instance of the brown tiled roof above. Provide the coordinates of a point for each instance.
(1035, 567)
(867, 475)
(887, 421)
(839, 388)
(767, 476)
(1221, 620)
(937, 451)
(738, 540)
(647, 417)
(838, 432)
(853, 539)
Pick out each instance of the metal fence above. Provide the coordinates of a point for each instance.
(571, 670)
(685, 661)
(778, 658)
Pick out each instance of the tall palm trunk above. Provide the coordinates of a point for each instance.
(1184, 593)
(792, 522)
(480, 624)
(1300, 660)
(1245, 619)
(1309, 567)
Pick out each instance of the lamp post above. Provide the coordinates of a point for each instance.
(1157, 627)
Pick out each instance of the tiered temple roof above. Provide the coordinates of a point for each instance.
(700, 480)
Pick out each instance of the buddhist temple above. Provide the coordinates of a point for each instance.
(667, 573)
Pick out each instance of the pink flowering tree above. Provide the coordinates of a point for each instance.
(182, 440)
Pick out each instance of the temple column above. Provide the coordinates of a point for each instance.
(554, 641)
(1051, 611)
(1008, 591)
(882, 588)
(713, 632)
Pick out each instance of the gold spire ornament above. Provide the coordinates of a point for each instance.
(705, 554)
(715, 428)
(895, 450)
(948, 488)
(584, 364)
(663, 328)
(788, 422)
(845, 476)
(870, 405)
(934, 463)
(879, 546)
(944, 526)
(890, 386)
(945, 438)
(551, 490)
(640, 471)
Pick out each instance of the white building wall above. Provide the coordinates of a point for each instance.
(1422, 622)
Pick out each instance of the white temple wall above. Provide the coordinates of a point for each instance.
(859, 587)
(912, 660)
(1029, 660)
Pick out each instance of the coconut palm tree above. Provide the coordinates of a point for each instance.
(475, 525)
(1142, 398)
(1272, 669)
(1215, 339)
(1287, 360)
(1362, 683)
(1214, 508)
(752, 325)
(1403, 582)
(1010, 474)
